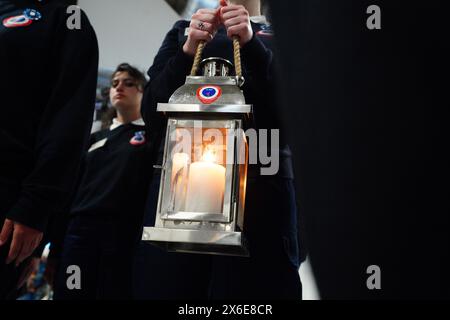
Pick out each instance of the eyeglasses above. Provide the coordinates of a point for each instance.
(127, 83)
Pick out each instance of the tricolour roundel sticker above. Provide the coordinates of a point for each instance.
(266, 30)
(209, 94)
(17, 21)
(138, 139)
(23, 20)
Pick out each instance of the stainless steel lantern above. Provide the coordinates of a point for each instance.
(203, 181)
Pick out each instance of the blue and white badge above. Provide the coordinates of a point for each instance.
(209, 94)
(32, 14)
(138, 139)
(266, 30)
(23, 20)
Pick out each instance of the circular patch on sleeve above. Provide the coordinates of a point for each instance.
(209, 94)
(17, 21)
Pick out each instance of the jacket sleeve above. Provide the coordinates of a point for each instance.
(64, 127)
(168, 72)
(258, 60)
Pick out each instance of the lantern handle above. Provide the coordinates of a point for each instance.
(237, 57)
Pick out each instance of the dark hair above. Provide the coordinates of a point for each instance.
(110, 113)
(133, 72)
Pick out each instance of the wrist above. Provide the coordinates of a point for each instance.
(246, 37)
(189, 48)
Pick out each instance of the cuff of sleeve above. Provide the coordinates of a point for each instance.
(182, 62)
(26, 212)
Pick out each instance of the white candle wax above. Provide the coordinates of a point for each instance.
(180, 162)
(206, 185)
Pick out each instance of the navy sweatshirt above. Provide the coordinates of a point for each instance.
(48, 86)
(115, 174)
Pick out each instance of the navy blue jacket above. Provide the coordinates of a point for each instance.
(48, 83)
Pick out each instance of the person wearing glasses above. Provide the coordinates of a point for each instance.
(271, 216)
(107, 210)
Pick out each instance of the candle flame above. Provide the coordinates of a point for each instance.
(209, 156)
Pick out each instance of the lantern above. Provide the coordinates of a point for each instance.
(203, 181)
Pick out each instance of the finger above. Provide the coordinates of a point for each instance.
(30, 244)
(16, 246)
(236, 30)
(203, 26)
(6, 231)
(224, 3)
(25, 275)
(25, 252)
(207, 11)
(37, 242)
(232, 7)
(234, 13)
(234, 21)
(200, 35)
(205, 18)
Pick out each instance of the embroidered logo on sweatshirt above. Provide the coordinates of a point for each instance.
(209, 94)
(138, 139)
(266, 30)
(23, 20)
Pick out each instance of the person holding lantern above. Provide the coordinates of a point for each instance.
(271, 217)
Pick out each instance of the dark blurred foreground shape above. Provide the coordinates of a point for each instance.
(366, 114)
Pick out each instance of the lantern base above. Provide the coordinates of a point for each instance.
(197, 241)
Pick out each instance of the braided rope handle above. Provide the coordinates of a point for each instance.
(197, 58)
(237, 57)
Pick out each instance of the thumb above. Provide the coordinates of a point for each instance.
(6, 231)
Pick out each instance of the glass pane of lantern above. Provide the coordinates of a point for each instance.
(197, 163)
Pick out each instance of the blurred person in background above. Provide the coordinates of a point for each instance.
(105, 216)
(48, 95)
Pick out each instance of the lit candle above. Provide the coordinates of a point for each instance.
(206, 185)
(180, 162)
